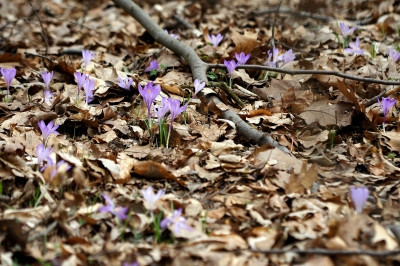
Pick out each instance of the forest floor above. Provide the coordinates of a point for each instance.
(81, 193)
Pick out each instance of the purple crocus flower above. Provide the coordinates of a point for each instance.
(242, 58)
(230, 66)
(60, 165)
(287, 57)
(80, 80)
(149, 94)
(47, 77)
(215, 40)
(151, 198)
(273, 57)
(355, 48)
(175, 109)
(162, 110)
(172, 35)
(88, 86)
(87, 56)
(386, 105)
(48, 129)
(8, 75)
(120, 212)
(394, 55)
(43, 154)
(346, 30)
(359, 197)
(198, 86)
(47, 97)
(177, 221)
(130, 264)
(125, 83)
(152, 66)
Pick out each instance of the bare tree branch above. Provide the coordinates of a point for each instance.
(198, 68)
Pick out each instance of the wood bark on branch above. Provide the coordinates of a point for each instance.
(198, 68)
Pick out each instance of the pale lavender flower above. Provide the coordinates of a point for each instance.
(120, 212)
(176, 221)
(80, 80)
(215, 40)
(60, 165)
(242, 58)
(162, 110)
(8, 75)
(47, 97)
(48, 129)
(152, 66)
(88, 86)
(273, 57)
(287, 57)
(87, 56)
(175, 109)
(394, 55)
(151, 198)
(130, 264)
(386, 105)
(359, 197)
(230, 66)
(47, 77)
(125, 83)
(198, 86)
(172, 35)
(346, 30)
(43, 154)
(149, 94)
(355, 48)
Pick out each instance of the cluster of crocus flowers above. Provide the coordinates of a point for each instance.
(87, 84)
(274, 58)
(43, 152)
(359, 196)
(232, 64)
(47, 95)
(120, 212)
(176, 222)
(386, 105)
(8, 75)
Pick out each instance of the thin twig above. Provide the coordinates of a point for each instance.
(182, 21)
(44, 232)
(273, 26)
(42, 30)
(315, 72)
(382, 94)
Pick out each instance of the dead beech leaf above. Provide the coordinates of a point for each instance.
(153, 170)
(244, 42)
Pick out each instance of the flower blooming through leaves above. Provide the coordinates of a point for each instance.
(8, 75)
(215, 40)
(287, 57)
(80, 80)
(88, 86)
(346, 30)
(120, 212)
(151, 198)
(394, 55)
(175, 109)
(47, 97)
(43, 153)
(87, 56)
(130, 264)
(152, 66)
(386, 105)
(48, 129)
(162, 110)
(176, 221)
(149, 94)
(355, 48)
(125, 83)
(359, 197)
(47, 77)
(61, 165)
(242, 58)
(198, 86)
(273, 57)
(230, 66)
